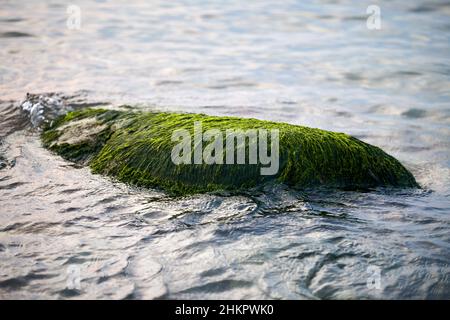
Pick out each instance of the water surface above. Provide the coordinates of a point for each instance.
(66, 233)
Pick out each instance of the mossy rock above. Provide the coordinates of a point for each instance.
(135, 147)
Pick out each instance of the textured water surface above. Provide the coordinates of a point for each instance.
(66, 233)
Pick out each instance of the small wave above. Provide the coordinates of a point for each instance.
(43, 108)
(14, 34)
(415, 113)
(37, 105)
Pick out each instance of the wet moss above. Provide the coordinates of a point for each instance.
(135, 147)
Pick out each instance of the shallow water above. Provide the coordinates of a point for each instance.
(66, 233)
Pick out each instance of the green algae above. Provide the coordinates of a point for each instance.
(135, 147)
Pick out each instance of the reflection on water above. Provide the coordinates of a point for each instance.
(65, 233)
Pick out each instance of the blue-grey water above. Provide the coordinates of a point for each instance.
(66, 233)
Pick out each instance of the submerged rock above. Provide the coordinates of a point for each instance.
(138, 148)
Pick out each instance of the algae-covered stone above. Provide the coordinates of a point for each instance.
(137, 147)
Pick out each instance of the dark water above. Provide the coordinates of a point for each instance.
(66, 233)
